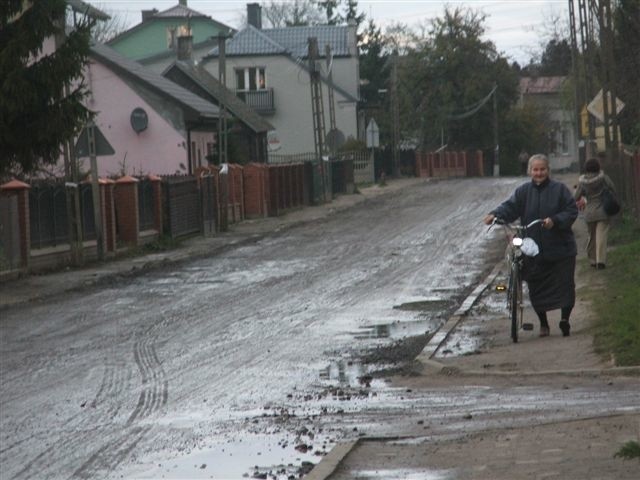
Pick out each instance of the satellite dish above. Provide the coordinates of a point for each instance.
(335, 139)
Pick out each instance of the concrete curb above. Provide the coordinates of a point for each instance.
(330, 462)
(441, 336)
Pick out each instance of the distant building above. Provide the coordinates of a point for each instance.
(546, 93)
(269, 70)
(156, 37)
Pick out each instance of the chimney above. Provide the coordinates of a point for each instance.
(183, 3)
(185, 48)
(147, 14)
(254, 15)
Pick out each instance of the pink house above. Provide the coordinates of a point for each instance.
(153, 125)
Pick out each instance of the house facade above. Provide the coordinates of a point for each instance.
(153, 125)
(547, 94)
(269, 69)
(156, 37)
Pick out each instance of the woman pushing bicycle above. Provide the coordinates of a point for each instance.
(550, 274)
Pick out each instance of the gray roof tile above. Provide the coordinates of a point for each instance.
(290, 40)
(155, 81)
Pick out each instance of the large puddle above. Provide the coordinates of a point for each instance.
(267, 456)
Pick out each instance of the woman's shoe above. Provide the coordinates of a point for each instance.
(565, 327)
(544, 330)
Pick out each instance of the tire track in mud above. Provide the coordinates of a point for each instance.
(83, 428)
(153, 397)
(80, 429)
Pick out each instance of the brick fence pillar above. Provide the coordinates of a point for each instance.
(108, 214)
(21, 191)
(156, 185)
(126, 201)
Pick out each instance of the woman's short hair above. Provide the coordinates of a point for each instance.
(592, 165)
(536, 157)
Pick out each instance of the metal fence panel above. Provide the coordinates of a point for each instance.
(209, 202)
(146, 211)
(48, 221)
(9, 234)
(88, 219)
(182, 206)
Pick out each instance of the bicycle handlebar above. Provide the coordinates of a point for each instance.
(499, 221)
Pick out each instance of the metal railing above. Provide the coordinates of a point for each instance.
(262, 101)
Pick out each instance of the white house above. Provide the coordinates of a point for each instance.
(269, 70)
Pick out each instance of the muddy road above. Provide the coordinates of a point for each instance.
(260, 359)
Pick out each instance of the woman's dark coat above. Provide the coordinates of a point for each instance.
(549, 199)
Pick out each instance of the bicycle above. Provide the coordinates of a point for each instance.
(515, 259)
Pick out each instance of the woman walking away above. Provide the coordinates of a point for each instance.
(550, 274)
(588, 196)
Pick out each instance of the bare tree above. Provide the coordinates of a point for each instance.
(290, 14)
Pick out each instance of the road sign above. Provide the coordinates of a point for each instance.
(102, 146)
(373, 134)
(596, 107)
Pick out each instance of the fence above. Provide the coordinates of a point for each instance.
(449, 164)
(625, 174)
(9, 233)
(182, 205)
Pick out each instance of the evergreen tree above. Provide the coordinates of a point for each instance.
(41, 95)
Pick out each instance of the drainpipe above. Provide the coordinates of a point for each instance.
(189, 168)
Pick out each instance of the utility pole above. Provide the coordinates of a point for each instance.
(332, 106)
(395, 113)
(586, 33)
(576, 91)
(496, 154)
(317, 108)
(95, 188)
(222, 136)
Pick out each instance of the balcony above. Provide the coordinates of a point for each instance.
(260, 100)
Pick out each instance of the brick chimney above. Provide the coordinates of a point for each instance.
(147, 14)
(254, 15)
(183, 3)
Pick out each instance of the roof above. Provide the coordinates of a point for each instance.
(211, 85)
(180, 11)
(191, 102)
(291, 40)
(177, 11)
(541, 85)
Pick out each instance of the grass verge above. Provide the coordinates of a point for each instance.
(617, 332)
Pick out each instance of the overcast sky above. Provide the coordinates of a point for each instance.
(513, 25)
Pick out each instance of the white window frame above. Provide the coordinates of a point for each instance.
(246, 77)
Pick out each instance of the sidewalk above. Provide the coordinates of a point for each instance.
(39, 287)
(575, 449)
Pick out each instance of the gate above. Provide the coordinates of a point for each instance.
(9, 234)
(182, 206)
(146, 212)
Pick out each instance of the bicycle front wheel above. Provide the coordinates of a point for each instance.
(516, 308)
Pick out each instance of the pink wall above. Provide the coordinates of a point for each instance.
(160, 149)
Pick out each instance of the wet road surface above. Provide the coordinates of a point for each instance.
(260, 357)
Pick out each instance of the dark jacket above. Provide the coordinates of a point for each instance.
(549, 199)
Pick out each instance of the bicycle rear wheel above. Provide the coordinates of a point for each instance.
(516, 308)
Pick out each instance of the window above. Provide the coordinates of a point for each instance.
(565, 141)
(251, 79)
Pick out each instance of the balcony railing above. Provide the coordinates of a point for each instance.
(260, 100)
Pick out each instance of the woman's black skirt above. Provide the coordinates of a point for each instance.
(551, 283)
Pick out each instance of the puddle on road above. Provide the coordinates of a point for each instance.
(405, 474)
(424, 306)
(252, 456)
(396, 330)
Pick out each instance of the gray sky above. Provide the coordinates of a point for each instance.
(513, 25)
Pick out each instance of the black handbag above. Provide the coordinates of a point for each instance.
(610, 203)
